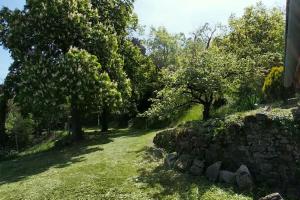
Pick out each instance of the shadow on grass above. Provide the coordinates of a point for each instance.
(57, 157)
(183, 185)
(62, 155)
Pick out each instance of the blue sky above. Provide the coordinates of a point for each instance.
(177, 15)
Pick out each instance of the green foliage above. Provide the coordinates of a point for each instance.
(163, 47)
(117, 14)
(83, 82)
(257, 39)
(258, 34)
(202, 82)
(246, 87)
(273, 88)
(20, 129)
(40, 77)
(142, 74)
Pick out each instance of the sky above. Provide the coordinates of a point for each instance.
(176, 15)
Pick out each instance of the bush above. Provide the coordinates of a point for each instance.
(20, 129)
(273, 88)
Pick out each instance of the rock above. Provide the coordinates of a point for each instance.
(275, 196)
(184, 146)
(212, 172)
(227, 177)
(243, 178)
(171, 159)
(183, 163)
(197, 167)
(157, 152)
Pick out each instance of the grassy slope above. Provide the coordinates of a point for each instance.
(192, 114)
(115, 167)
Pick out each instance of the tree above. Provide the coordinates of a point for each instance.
(164, 47)
(87, 84)
(202, 82)
(202, 75)
(257, 39)
(258, 34)
(43, 35)
(117, 14)
(142, 74)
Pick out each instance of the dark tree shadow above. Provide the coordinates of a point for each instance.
(63, 154)
(57, 157)
(173, 182)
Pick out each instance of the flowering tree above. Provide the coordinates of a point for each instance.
(64, 53)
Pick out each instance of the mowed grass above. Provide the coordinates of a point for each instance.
(118, 166)
(192, 114)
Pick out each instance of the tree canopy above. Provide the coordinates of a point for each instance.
(42, 39)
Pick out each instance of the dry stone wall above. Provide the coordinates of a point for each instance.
(269, 146)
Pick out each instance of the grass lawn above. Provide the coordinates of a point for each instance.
(192, 114)
(118, 166)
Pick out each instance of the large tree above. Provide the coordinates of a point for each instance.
(117, 14)
(43, 33)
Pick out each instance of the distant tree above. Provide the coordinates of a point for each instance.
(138, 43)
(164, 47)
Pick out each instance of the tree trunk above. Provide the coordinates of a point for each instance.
(76, 126)
(104, 120)
(206, 111)
(3, 113)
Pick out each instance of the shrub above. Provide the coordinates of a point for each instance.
(20, 129)
(273, 88)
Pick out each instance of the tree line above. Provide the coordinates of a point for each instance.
(76, 60)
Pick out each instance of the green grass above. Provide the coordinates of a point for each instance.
(46, 145)
(118, 166)
(192, 114)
